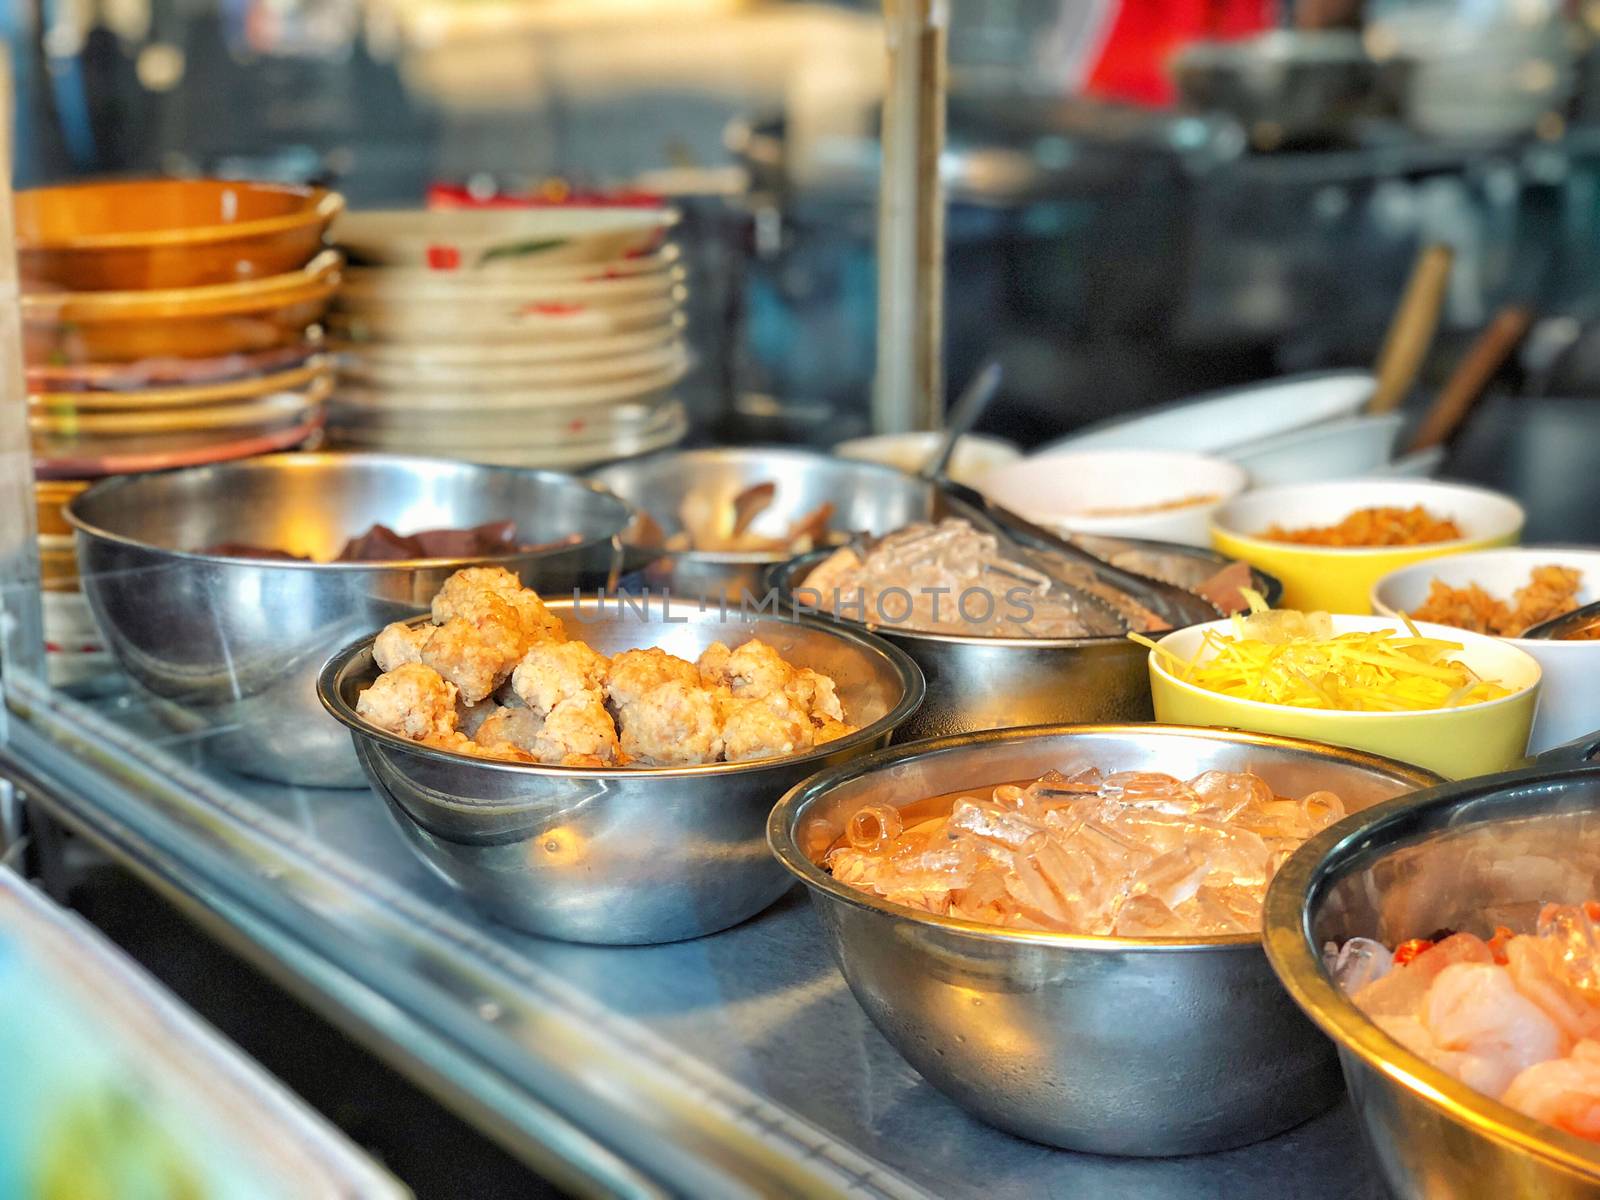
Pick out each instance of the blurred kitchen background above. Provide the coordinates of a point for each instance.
(1148, 197)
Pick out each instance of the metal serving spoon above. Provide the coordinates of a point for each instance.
(1560, 627)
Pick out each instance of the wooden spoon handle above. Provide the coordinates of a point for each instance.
(1472, 376)
(1411, 329)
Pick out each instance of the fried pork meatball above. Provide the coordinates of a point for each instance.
(828, 729)
(465, 594)
(460, 743)
(475, 660)
(399, 644)
(411, 700)
(518, 728)
(713, 664)
(815, 695)
(634, 673)
(551, 672)
(675, 723)
(578, 732)
(763, 729)
(756, 670)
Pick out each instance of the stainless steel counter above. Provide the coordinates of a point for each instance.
(737, 1064)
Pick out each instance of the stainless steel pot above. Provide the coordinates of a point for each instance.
(1103, 1044)
(1439, 860)
(231, 647)
(867, 498)
(622, 856)
(980, 683)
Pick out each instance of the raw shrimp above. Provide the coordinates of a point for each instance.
(1473, 1009)
(1563, 1091)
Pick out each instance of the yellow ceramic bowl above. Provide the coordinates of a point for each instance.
(1474, 739)
(1339, 579)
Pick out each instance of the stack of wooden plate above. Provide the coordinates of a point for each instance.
(530, 336)
(165, 323)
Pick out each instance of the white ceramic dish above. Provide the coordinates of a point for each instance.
(380, 374)
(578, 446)
(500, 241)
(403, 356)
(559, 272)
(443, 403)
(1080, 491)
(498, 325)
(976, 454)
(1220, 420)
(1570, 704)
(445, 287)
(1337, 449)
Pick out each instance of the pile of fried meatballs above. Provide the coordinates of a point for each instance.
(495, 676)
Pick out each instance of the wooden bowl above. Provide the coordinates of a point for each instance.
(167, 372)
(167, 233)
(199, 322)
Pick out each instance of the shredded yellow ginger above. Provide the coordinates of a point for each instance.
(1296, 659)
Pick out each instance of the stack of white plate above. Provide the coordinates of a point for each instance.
(529, 336)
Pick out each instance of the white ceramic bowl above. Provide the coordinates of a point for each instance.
(1338, 449)
(1570, 704)
(1080, 492)
(1220, 420)
(976, 455)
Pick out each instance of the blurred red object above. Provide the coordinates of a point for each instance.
(1145, 34)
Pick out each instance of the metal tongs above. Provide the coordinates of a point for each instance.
(1174, 605)
(1566, 623)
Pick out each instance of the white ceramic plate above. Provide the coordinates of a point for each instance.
(379, 375)
(406, 355)
(1219, 420)
(432, 324)
(564, 272)
(389, 405)
(504, 240)
(475, 293)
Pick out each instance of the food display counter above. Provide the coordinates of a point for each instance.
(736, 1064)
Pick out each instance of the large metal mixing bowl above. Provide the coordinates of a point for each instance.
(978, 683)
(231, 647)
(633, 855)
(867, 498)
(1465, 856)
(1105, 1044)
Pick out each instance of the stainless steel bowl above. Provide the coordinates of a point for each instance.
(625, 856)
(231, 647)
(1103, 1044)
(867, 498)
(1464, 856)
(979, 683)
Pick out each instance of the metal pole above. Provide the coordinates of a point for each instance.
(909, 390)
